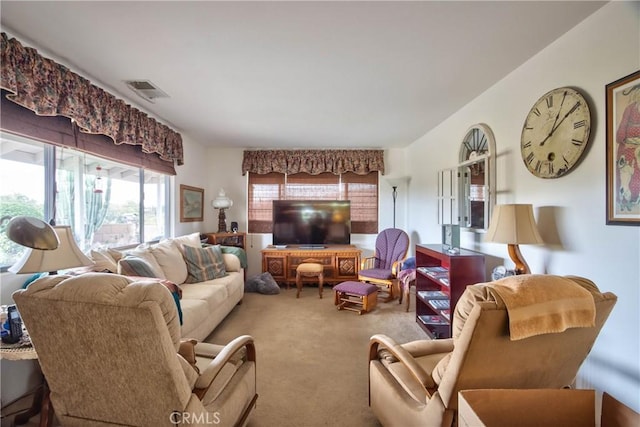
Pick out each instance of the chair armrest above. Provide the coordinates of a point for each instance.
(399, 265)
(209, 373)
(367, 262)
(425, 347)
(395, 268)
(403, 356)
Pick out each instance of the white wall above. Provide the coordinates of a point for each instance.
(570, 210)
(224, 169)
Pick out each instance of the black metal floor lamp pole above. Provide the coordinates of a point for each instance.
(395, 196)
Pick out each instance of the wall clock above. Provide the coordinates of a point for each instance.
(555, 133)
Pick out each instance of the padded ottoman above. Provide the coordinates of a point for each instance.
(356, 296)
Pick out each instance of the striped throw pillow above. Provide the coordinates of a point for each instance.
(203, 263)
(135, 266)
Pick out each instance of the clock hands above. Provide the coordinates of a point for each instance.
(564, 95)
(557, 125)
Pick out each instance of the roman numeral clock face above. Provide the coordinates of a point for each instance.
(555, 133)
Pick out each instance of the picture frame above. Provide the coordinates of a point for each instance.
(191, 203)
(451, 238)
(623, 150)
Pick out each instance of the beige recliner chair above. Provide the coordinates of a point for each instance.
(108, 348)
(531, 331)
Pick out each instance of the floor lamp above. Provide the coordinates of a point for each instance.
(395, 183)
(395, 196)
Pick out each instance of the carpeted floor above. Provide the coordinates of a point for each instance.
(312, 358)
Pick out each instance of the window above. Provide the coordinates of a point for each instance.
(361, 190)
(106, 203)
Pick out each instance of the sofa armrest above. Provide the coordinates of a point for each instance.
(231, 262)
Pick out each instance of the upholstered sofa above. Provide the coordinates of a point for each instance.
(204, 302)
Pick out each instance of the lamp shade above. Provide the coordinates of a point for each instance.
(222, 201)
(32, 233)
(513, 224)
(66, 255)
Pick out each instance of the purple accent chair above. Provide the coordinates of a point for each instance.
(381, 269)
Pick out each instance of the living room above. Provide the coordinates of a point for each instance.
(570, 211)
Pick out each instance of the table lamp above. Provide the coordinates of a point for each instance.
(222, 202)
(66, 255)
(514, 224)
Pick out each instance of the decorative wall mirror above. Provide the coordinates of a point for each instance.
(476, 177)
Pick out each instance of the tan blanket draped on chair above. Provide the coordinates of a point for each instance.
(542, 304)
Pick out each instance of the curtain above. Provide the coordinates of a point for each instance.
(62, 132)
(50, 89)
(313, 162)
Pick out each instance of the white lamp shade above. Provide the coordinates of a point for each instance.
(222, 201)
(66, 255)
(513, 224)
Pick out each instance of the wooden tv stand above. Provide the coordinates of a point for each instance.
(341, 262)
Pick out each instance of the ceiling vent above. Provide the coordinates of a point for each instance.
(146, 90)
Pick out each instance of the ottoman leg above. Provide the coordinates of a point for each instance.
(298, 285)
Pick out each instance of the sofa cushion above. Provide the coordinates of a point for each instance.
(195, 312)
(170, 260)
(214, 294)
(203, 263)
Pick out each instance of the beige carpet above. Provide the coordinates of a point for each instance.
(312, 358)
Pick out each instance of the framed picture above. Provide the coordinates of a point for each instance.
(191, 203)
(451, 238)
(623, 151)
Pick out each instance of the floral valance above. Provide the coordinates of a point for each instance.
(313, 162)
(50, 89)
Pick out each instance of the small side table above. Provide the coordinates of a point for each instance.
(41, 402)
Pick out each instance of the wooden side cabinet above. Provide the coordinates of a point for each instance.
(228, 239)
(441, 278)
(341, 263)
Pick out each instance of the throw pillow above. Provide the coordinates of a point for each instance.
(103, 261)
(192, 240)
(203, 263)
(263, 284)
(170, 259)
(115, 254)
(253, 283)
(147, 255)
(131, 265)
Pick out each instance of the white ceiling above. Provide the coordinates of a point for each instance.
(348, 74)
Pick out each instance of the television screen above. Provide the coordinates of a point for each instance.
(311, 222)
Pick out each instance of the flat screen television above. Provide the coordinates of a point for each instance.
(311, 222)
